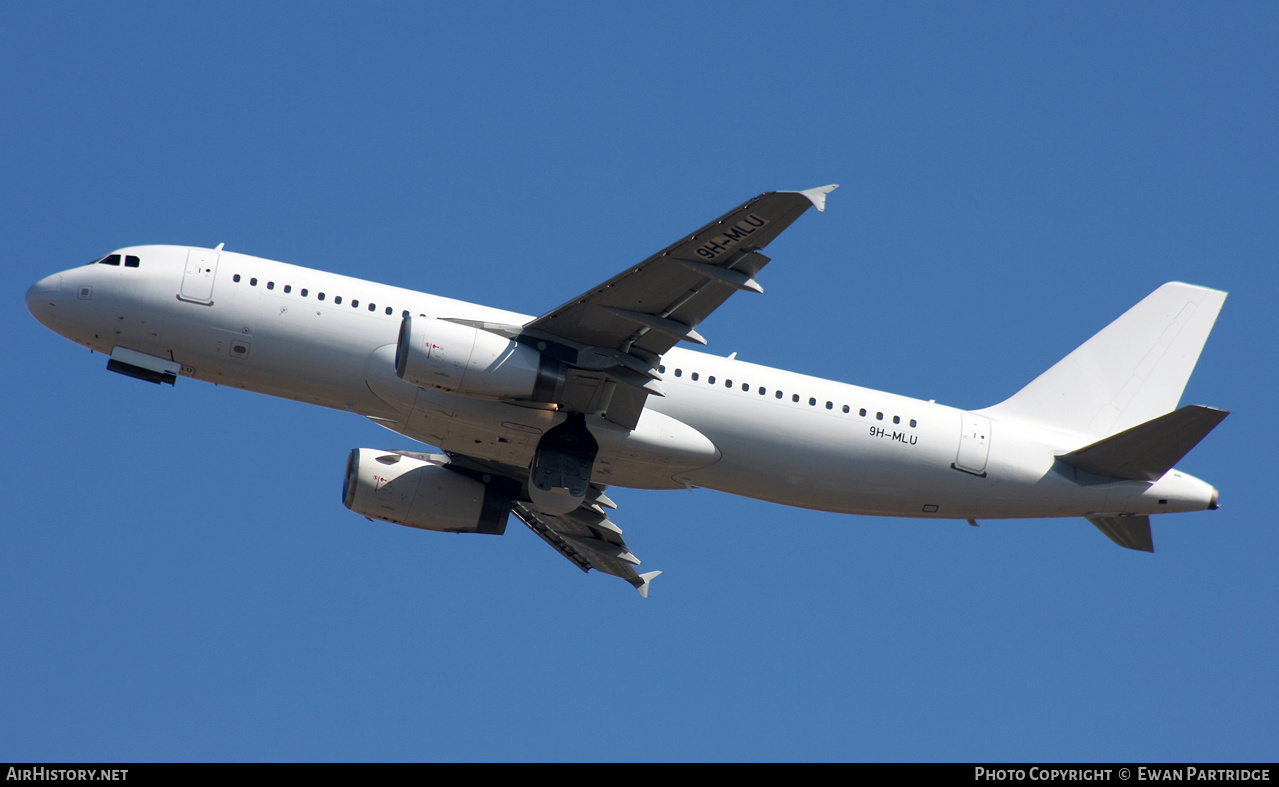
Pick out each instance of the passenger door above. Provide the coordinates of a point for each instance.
(197, 281)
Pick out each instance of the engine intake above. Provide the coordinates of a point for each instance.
(422, 493)
(460, 359)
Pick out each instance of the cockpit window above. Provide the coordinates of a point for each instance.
(110, 259)
(131, 261)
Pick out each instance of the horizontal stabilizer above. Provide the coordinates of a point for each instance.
(1147, 451)
(1130, 532)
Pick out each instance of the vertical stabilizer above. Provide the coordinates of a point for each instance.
(1134, 370)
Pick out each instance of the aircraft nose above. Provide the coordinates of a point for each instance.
(44, 295)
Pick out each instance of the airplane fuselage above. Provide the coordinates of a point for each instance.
(326, 339)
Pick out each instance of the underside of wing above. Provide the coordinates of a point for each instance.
(589, 539)
(614, 335)
(660, 301)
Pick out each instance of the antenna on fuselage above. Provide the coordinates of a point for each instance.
(219, 247)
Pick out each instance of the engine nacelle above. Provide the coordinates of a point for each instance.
(460, 359)
(421, 493)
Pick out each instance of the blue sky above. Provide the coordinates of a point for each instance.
(181, 580)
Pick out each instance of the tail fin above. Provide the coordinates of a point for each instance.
(1133, 371)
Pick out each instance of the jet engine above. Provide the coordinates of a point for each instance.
(422, 491)
(460, 359)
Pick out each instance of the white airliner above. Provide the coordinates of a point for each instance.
(537, 416)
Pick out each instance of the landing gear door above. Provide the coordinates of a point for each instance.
(974, 444)
(197, 281)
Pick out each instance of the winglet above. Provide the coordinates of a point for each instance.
(818, 195)
(641, 582)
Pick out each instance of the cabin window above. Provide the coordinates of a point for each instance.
(661, 369)
(845, 408)
(253, 282)
(879, 416)
(236, 278)
(711, 379)
(794, 397)
(320, 297)
(897, 419)
(728, 383)
(388, 311)
(304, 291)
(830, 405)
(812, 402)
(288, 288)
(779, 394)
(270, 285)
(912, 423)
(679, 372)
(355, 304)
(337, 299)
(404, 313)
(694, 376)
(862, 412)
